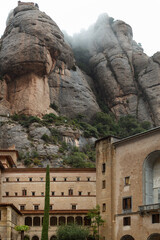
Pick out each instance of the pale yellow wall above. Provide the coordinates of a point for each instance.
(59, 202)
(122, 160)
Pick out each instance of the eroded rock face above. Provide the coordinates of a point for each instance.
(127, 79)
(32, 50)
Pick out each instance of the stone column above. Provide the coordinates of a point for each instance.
(9, 223)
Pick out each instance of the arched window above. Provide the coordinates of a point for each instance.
(36, 221)
(53, 221)
(79, 220)
(127, 237)
(35, 238)
(28, 221)
(151, 178)
(70, 220)
(87, 221)
(154, 236)
(53, 237)
(62, 220)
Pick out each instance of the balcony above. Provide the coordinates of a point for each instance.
(147, 209)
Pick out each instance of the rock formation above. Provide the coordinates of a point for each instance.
(33, 50)
(37, 69)
(127, 80)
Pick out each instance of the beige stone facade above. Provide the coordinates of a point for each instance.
(22, 191)
(128, 186)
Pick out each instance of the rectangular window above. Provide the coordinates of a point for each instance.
(50, 207)
(103, 184)
(7, 179)
(65, 179)
(16, 194)
(79, 193)
(78, 179)
(42, 193)
(126, 221)
(73, 207)
(54, 179)
(103, 167)
(88, 179)
(24, 192)
(62, 193)
(36, 207)
(7, 194)
(41, 179)
(155, 218)
(53, 193)
(17, 179)
(89, 193)
(127, 181)
(33, 193)
(127, 204)
(22, 207)
(30, 179)
(103, 207)
(70, 192)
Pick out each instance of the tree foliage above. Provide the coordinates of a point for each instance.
(44, 235)
(72, 232)
(96, 221)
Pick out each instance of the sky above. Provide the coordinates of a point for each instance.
(73, 16)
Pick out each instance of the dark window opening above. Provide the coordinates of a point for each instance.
(103, 207)
(33, 193)
(30, 179)
(79, 220)
(62, 193)
(89, 193)
(28, 221)
(103, 184)
(53, 193)
(36, 221)
(24, 192)
(103, 167)
(127, 181)
(54, 179)
(22, 207)
(78, 179)
(50, 207)
(7, 179)
(65, 179)
(17, 179)
(36, 207)
(155, 218)
(16, 194)
(88, 179)
(80, 193)
(87, 221)
(126, 221)
(73, 207)
(70, 192)
(7, 194)
(53, 221)
(62, 221)
(127, 204)
(70, 220)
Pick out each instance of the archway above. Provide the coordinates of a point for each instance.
(154, 236)
(87, 221)
(151, 178)
(28, 221)
(62, 220)
(127, 237)
(35, 238)
(79, 220)
(53, 221)
(53, 237)
(70, 220)
(26, 237)
(36, 221)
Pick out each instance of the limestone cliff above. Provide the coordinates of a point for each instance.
(126, 79)
(38, 68)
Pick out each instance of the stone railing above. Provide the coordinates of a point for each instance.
(146, 209)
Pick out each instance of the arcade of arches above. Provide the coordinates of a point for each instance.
(55, 221)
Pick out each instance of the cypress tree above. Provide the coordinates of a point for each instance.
(44, 235)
